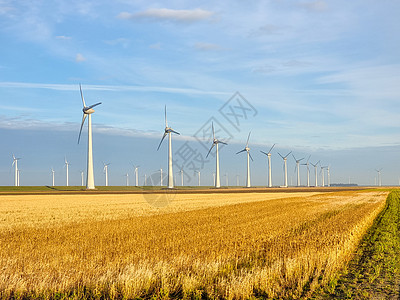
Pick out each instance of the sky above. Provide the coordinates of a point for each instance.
(317, 78)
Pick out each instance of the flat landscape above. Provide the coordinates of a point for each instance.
(180, 245)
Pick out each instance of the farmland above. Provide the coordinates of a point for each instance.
(281, 245)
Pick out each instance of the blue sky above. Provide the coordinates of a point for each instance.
(322, 78)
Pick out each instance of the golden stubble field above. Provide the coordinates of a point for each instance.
(201, 245)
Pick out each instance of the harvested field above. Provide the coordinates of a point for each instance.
(232, 246)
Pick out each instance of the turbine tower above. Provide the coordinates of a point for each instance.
(15, 164)
(167, 131)
(127, 179)
(66, 165)
(329, 175)
(52, 176)
(136, 169)
(323, 174)
(82, 181)
(379, 176)
(247, 149)
(308, 170)
(298, 168)
(181, 172)
(215, 143)
(87, 112)
(316, 172)
(198, 172)
(105, 170)
(269, 165)
(285, 167)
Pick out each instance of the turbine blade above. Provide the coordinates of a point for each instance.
(163, 137)
(241, 151)
(165, 115)
(263, 152)
(80, 131)
(210, 150)
(308, 159)
(251, 157)
(91, 106)
(271, 148)
(221, 142)
(83, 100)
(212, 126)
(175, 131)
(247, 143)
(288, 154)
(280, 155)
(294, 157)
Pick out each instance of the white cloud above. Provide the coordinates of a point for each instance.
(63, 37)
(180, 15)
(317, 6)
(207, 47)
(79, 58)
(156, 46)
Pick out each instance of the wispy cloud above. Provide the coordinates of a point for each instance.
(317, 6)
(73, 87)
(79, 58)
(208, 47)
(63, 37)
(166, 14)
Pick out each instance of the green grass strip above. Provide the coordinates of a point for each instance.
(374, 273)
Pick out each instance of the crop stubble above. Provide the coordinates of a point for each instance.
(230, 246)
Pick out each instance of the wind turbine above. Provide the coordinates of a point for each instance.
(66, 165)
(269, 165)
(181, 172)
(127, 179)
(136, 169)
(285, 167)
(298, 168)
(105, 170)
(379, 176)
(198, 172)
(16, 175)
(316, 172)
(215, 143)
(167, 131)
(329, 175)
(323, 174)
(82, 183)
(247, 149)
(227, 179)
(161, 183)
(308, 170)
(87, 112)
(52, 175)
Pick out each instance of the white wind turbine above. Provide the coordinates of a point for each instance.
(308, 170)
(285, 167)
(323, 174)
(198, 172)
(52, 176)
(329, 175)
(167, 131)
(247, 149)
(161, 183)
(16, 173)
(66, 165)
(379, 176)
(105, 170)
(181, 172)
(136, 169)
(127, 179)
(298, 168)
(215, 143)
(269, 165)
(87, 112)
(316, 172)
(82, 182)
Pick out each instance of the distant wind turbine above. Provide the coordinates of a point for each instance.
(52, 176)
(285, 167)
(198, 173)
(127, 179)
(15, 164)
(215, 143)
(87, 112)
(316, 172)
(181, 173)
(66, 165)
(308, 170)
(379, 176)
(136, 169)
(269, 165)
(323, 176)
(105, 170)
(82, 181)
(167, 131)
(329, 175)
(247, 149)
(298, 168)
